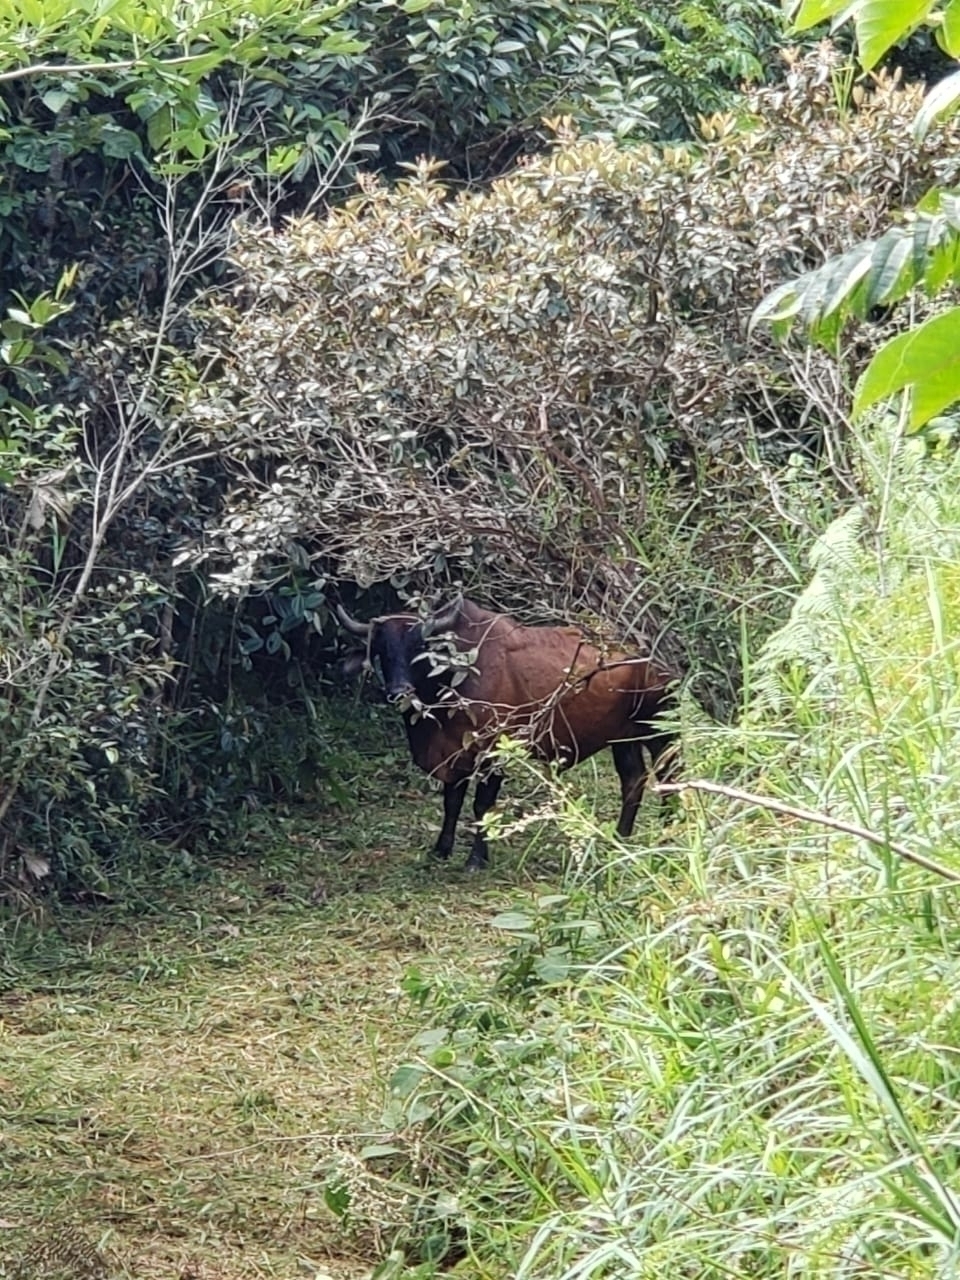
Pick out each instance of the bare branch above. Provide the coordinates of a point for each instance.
(814, 816)
(89, 68)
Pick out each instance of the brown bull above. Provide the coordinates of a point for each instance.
(546, 686)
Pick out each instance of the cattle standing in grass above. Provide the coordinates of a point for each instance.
(545, 686)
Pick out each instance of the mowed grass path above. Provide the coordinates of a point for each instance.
(173, 1072)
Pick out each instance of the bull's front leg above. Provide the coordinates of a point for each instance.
(485, 797)
(454, 794)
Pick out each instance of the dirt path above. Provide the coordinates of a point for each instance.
(173, 1076)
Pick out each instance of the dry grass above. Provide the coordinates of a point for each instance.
(173, 1075)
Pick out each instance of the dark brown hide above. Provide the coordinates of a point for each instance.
(545, 686)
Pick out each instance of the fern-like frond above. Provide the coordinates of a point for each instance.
(811, 633)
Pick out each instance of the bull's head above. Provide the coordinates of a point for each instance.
(397, 642)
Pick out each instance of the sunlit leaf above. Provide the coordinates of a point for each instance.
(948, 33)
(925, 361)
(891, 271)
(55, 99)
(880, 25)
(810, 13)
(513, 921)
(780, 305)
(158, 127)
(942, 98)
(838, 280)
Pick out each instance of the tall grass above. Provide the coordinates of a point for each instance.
(736, 1051)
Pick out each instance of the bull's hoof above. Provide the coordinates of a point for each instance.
(475, 864)
(440, 855)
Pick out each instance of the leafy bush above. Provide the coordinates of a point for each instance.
(705, 52)
(81, 679)
(553, 373)
(276, 106)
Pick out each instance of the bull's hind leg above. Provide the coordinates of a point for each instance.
(632, 768)
(484, 798)
(628, 757)
(454, 794)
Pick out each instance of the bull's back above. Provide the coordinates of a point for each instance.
(552, 689)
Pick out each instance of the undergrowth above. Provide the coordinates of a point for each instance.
(733, 1053)
(726, 1048)
(180, 1064)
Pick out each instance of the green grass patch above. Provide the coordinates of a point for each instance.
(178, 1068)
(735, 1054)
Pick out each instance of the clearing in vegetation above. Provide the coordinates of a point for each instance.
(176, 1073)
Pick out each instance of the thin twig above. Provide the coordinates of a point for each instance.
(813, 815)
(91, 68)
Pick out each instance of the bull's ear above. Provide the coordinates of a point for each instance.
(354, 663)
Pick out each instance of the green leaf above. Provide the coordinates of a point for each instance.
(942, 97)
(43, 308)
(119, 143)
(927, 242)
(282, 159)
(777, 307)
(195, 142)
(948, 33)
(513, 921)
(832, 286)
(810, 13)
(404, 1080)
(16, 351)
(340, 44)
(880, 25)
(55, 99)
(891, 272)
(420, 1109)
(925, 360)
(548, 901)
(337, 1199)
(944, 262)
(552, 967)
(158, 127)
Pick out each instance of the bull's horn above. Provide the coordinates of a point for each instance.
(443, 621)
(351, 624)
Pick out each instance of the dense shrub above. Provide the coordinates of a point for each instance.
(547, 389)
(704, 52)
(275, 107)
(544, 390)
